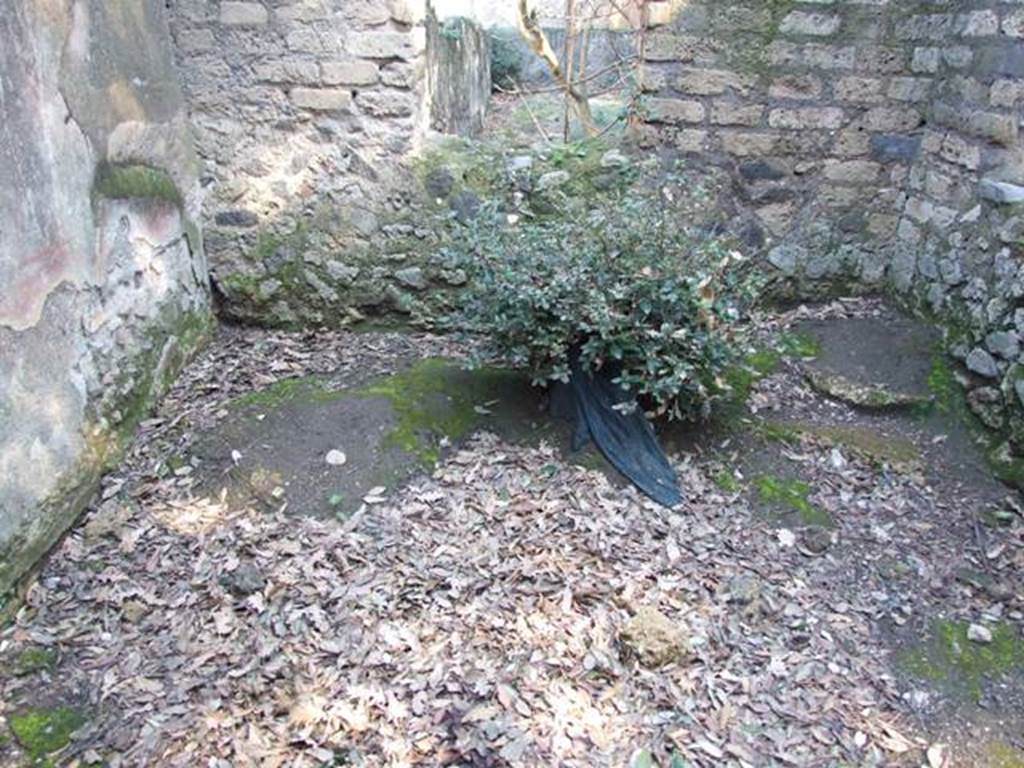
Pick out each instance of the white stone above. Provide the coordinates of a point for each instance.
(336, 458)
(979, 634)
(1001, 191)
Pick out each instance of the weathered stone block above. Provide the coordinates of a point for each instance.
(384, 45)
(999, 128)
(359, 72)
(810, 23)
(1001, 191)
(236, 218)
(861, 89)
(957, 56)
(239, 14)
(806, 117)
(882, 225)
(691, 140)
(925, 211)
(760, 170)
(705, 82)
(288, 71)
(783, 53)
(744, 144)
(1006, 93)
(977, 23)
(196, 40)
(398, 74)
(889, 119)
(321, 99)
(926, 60)
(1013, 24)
(795, 87)
(664, 46)
(934, 26)
(386, 103)
(967, 88)
(982, 363)
(851, 142)
(676, 111)
(852, 171)
(730, 113)
(892, 148)
(1005, 344)
(909, 88)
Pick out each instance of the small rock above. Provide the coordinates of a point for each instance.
(979, 634)
(466, 205)
(246, 579)
(336, 458)
(613, 158)
(653, 639)
(982, 363)
(412, 277)
(552, 180)
(133, 611)
(816, 539)
(108, 520)
(1006, 344)
(743, 590)
(343, 273)
(454, 276)
(987, 405)
(836, 459)
(1000, 191)
(439, 182)
(520, 163)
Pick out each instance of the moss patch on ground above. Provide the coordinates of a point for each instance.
(34, 659)
(949, 659)
(435, 398)
(949, 400)
(791, 495)
(307, 389)
(44, 730)
(868, 443)
(1002, 755)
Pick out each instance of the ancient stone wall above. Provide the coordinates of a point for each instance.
(304, 114)
(105, 287)
(873, 145)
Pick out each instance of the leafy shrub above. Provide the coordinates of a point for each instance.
(506, 57)
(623, 281)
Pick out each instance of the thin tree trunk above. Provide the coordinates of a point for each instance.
(530, 29)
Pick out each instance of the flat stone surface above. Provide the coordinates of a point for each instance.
(894, 353)
(271, 449)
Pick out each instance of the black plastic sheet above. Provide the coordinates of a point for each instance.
(623, 434)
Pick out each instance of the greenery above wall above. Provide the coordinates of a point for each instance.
(623, 282)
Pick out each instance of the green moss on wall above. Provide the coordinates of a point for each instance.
(108, 429)
(126, 182)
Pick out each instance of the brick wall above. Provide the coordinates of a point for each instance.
(302, 112)
(876, 143)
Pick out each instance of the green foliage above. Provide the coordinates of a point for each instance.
(624, 282)
(506, 57)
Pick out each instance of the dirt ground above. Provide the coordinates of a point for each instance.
(841, 586)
